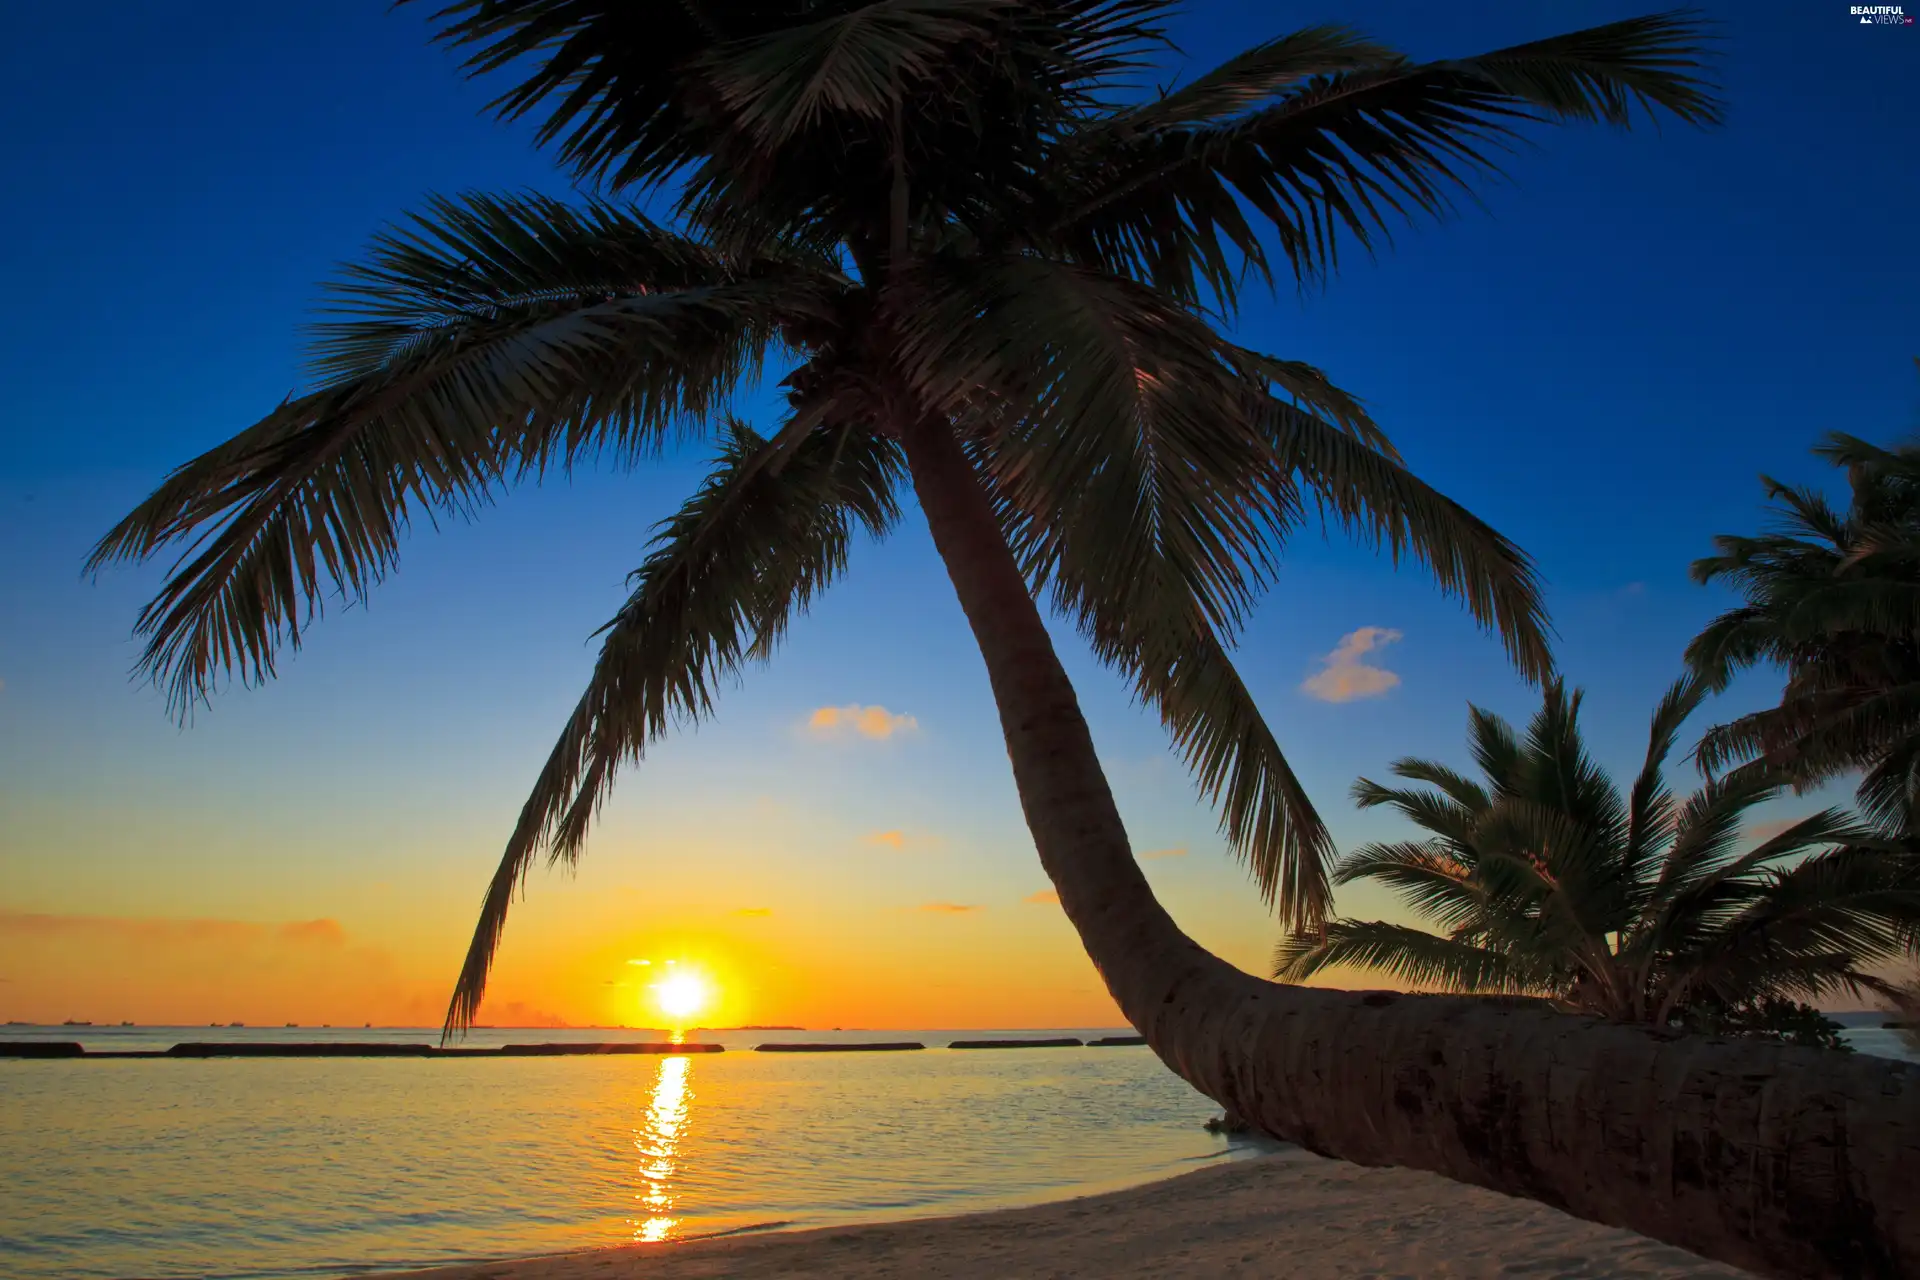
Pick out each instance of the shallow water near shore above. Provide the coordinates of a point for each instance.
(316, 1167)
(281, 1167)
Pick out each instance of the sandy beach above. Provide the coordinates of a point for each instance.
(1292, 1214)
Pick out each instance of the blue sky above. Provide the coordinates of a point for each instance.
(1599, 358)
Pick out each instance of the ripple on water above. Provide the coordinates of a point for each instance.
(285, 1167)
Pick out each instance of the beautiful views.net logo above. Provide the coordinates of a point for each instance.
(1890, 15)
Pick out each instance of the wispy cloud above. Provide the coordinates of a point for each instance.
(899, 840)
(152, 931)
(1044, 898)
(1346, 675)
(854, 720)
(754, 911)
(947, 908)
(325, 933)
(1178, 851)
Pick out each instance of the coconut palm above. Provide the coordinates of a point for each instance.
(982, 268)
(1833, 600)
(1545, 878)
(1904, 998)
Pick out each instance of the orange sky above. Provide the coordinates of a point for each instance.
(937, 965)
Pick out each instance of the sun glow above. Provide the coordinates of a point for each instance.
(682, 994)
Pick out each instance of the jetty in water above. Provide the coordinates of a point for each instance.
(879, 1046)
(551, 1049)
(342, 1049)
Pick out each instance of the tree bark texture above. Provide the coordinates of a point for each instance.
(1786, 1161)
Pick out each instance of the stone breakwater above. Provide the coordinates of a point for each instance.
(337, 1049)
(380, 1049)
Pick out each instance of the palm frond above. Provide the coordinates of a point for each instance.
(1699, 898)
(725, 575)
(1380, 501)
(1268, 819)
(1111, 410)
(1709, 826)
(1111, 429)
(1375, 141)
(1456, 786)
(1555, 867)
(1440, 814)
(860, 62)
(1816, 927)
(453, 380)
(1650, 807)
(1413, 956)
(612, 75)
(1562, 774)
(1253, 77)
(1496, 752)
(1435, 881)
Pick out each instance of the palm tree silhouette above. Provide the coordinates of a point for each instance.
(987, 268)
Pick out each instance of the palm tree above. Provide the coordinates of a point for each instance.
(983, 271)
(1545, 879)
(1904, 997)
(1833, 599)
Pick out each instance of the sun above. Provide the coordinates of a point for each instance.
(681, 995)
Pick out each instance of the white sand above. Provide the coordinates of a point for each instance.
(1290, 1215)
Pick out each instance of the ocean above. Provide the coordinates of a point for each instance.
(277, 1167)
(283, 1167)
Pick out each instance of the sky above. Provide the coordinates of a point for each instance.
(1600, 356)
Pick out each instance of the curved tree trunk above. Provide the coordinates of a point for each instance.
(1787, 1161)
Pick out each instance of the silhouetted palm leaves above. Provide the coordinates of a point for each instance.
(1544, 879)
(957, 211)
(1833, 600)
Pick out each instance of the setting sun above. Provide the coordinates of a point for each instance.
(682, 994)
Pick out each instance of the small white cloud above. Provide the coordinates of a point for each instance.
(1044, 898)
(1346, 675)
(866, 722)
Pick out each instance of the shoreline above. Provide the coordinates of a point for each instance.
(1291, 1213)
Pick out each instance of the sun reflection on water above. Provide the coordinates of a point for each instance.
(659, 1145)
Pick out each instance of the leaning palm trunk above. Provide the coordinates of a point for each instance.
(1066, 255)
(1788, 1162)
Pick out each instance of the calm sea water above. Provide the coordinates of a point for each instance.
(315, 1167)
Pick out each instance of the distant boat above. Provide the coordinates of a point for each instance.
(293, 1024)
(76, 1022)
(126, 1024)
(15, 1022)
(236, 1024)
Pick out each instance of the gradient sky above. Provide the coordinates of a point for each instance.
(1599, 359)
